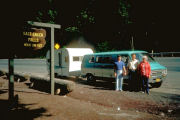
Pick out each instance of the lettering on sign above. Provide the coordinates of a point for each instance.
(35, 38)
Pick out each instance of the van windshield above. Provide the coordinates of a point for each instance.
(140, 55)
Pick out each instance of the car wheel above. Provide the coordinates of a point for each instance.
(91, 79)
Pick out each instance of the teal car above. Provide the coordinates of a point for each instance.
(101, 66)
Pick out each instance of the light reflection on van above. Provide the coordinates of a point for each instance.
(101, 66)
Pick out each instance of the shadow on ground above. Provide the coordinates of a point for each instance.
(3, 91)
(18, 111)
(44, 86)
(99, 84)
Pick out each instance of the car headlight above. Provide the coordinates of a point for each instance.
(164, 72)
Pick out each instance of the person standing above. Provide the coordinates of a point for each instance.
(119, 70)
(145, 72)
(132, 69)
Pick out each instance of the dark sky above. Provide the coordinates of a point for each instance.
(160, 18)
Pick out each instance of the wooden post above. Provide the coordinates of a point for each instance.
(52, 26)
(52, 61)
(11, 79)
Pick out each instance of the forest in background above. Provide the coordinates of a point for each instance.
(99, 24)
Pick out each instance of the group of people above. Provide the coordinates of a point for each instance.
(139, 74)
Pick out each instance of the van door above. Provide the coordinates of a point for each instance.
(108, 66)
(98, 66)
(88, 65)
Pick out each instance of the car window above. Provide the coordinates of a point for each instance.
(108, 59)
(125, 58)
(99, 59)
(104, 59)
(150, 58)
(92, 59)
(140, 55)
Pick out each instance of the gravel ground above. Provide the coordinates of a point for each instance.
(96, 102)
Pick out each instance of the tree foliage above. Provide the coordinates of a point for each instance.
(104, 47)
(123, 10)
(107, 25)
(151, 23)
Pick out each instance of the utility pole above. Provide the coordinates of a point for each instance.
(132, 44)
(52, 26)
(152, 52)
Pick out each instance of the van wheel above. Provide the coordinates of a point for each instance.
(91, 79)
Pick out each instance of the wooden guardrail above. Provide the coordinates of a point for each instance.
(62, 86)
(166, 54)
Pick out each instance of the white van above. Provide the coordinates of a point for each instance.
(67, 61)
(101, 66)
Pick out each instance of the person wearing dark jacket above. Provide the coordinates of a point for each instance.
(133, 75)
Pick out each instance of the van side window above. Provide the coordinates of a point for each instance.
(138, 56)
(99, 59)
(125, 59)
(92, 60)
(108, 59)
(104, 59)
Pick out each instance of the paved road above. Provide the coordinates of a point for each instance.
(30, 66)
(38, 67)
(172, 83)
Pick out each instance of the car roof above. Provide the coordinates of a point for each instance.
(119, 52)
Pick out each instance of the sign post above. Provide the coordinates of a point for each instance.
(52, 61)
(11, 78)
(52, 26)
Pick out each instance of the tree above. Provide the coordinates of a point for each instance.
(103, 47)
(123, 11)
(48, 15)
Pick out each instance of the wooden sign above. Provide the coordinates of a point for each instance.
(35, 38)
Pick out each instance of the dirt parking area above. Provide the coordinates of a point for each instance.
(87, 102)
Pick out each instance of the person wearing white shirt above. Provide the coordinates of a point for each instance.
(132, 68)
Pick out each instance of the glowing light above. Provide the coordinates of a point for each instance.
(57, 46)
